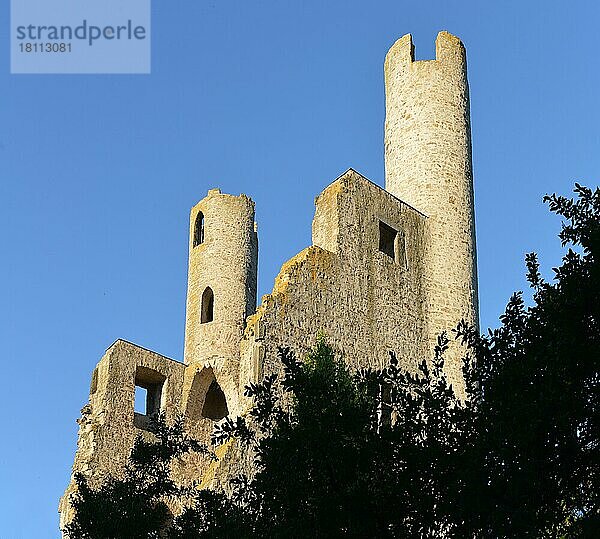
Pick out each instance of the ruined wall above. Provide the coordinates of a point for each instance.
(428, 165)
(108, 425)
(364, 301)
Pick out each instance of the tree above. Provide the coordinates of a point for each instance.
(537, 406)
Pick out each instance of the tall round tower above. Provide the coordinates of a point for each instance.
(428, 165)
(222, 275)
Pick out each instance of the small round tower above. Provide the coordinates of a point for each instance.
(222, 276)
(428, 165)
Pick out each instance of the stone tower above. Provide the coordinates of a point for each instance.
(223, 260)
(222, 273)
(428, 165)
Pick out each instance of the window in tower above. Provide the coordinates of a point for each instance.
(208, 306)
(215, 404)
(199, 229)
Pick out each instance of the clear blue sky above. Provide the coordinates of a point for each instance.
(273, 99)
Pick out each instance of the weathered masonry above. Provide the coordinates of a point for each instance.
(388, 269)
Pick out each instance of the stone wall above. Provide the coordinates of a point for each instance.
(365, 302)
(108, 425)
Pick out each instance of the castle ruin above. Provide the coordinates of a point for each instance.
(388, 269)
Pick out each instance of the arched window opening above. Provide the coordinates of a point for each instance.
(199, 229)
(208, 306)
(215, 404)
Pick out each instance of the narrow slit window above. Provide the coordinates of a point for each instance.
(199, 229)
(387, 240)
(208, 306)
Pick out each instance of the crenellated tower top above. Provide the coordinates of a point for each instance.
(448, 48)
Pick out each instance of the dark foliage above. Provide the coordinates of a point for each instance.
(537, 404)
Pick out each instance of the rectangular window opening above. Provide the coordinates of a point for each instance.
(148, 395)
(387, 240)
